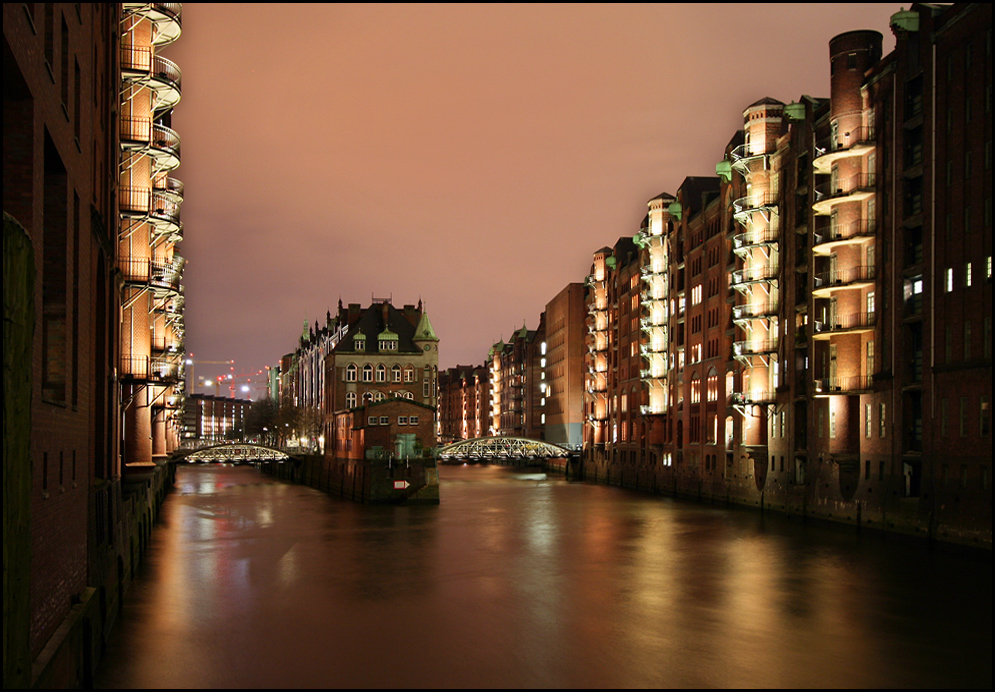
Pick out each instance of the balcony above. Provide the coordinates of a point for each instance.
(155, 274)
(855, 142)
(845, 324)
(828, 237)
(159, 210)
(141, 136)
(162, 76)
(765, 310)
(165, 17)
(752, 239)
(855, 277)
(754, 347)
(751, 275)
(164, 370)
(852, 189)
(856, 384)
(744, 161)
(751, 398)
(744, 207)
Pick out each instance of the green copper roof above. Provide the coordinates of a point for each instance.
(424, 330)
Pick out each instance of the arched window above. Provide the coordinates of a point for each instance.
(713, 385)
(381, 373)
(350, 399)
(695, 389)
(409, 374)
(395, 373)
(379, 396)
(367, 373)
(367, 397)
(351, 372)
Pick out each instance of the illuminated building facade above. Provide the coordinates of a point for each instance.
(152, 329)
(379, 353)
(209, 419)
(75, 519)
(464, 403)
(815, 322)
(562, 363)
(516, 378)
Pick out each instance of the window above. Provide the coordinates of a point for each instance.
(412, 420)
(402, 420)
(967, 275)
(867, 421)
(949, 282)
(359, 343)
(409, 374)
(881, 422)
(381, 373)
(367, 373)
(870, 302)
(350, 399)
(372, 420)
(395, 373)
(350, 372)
(384, 420)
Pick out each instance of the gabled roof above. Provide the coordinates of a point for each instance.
(371, 326)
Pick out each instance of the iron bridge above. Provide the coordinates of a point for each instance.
(236, 453)
(503, 448)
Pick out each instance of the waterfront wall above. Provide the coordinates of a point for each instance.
(829, 492)
(363, 480)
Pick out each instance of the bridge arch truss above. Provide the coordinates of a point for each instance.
(236, 453)
(503, 448)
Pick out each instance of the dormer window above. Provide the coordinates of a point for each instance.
(388, 345)
(359, 342)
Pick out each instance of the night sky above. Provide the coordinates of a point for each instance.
(472, 157)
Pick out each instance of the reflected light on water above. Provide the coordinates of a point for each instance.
(515, 582)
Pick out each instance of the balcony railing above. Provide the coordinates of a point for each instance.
(840, 233)
(754, 347)
(749, 239)
(150, 368)
(747, 398)
(165, 16)
(842, 323)
(153, 273)
(763, 272)
(844, 141)
(754, 310)
(152, 205)
(756, 202)
(863, 182)
(843, 385)
(839, 278)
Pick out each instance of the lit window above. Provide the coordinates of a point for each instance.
(395, 373)
(949, 284)
(350, 399)
(967, 275)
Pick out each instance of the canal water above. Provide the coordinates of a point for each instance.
(519, 580)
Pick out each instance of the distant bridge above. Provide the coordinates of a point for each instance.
(235, 454)
(516, 448)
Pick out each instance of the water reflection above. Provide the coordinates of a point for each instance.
(521, 580)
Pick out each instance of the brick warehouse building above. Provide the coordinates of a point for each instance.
(810, 330)
(74, 525)
(816, 321)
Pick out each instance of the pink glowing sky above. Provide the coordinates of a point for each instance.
(473, 157)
